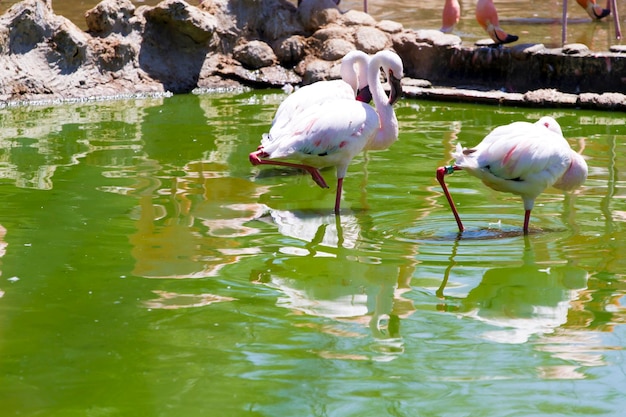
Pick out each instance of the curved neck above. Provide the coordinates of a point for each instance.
(353, 69)
(388, 127)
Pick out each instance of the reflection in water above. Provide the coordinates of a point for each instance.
(186, 230)
(173, 301)
(534, 302)
(348, 284)
(524, 301)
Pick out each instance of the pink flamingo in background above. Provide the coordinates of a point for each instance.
(520, 158)
(487, 17)
(596, 12)
(450, 16)
(331, 132)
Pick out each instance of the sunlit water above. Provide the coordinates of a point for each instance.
(534, 21)
(148, 269)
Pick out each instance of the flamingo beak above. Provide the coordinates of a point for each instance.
(396, 88)
(364, 95)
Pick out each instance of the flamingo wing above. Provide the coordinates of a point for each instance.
(311, 94)
(325, 134)
(521, 158)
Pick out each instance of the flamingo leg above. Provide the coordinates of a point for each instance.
(441, 173)
(255, 159)
(618, 29)
(365, 6)
(338, 197)
(564, 24)
(526, 221)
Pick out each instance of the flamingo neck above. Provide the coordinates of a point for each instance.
(388, 123)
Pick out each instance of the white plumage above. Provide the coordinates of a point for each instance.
(353, 83)
(521, 158)
(331, 131)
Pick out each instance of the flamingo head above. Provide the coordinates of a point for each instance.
(396, 87)
(364, 94)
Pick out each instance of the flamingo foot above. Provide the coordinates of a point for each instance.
(317, 177)
(255, 157)
(597, 12)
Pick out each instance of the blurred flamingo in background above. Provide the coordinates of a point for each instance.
(450, 16)
(331, 132)
(487, 17)
(596, 12)
(520, 158)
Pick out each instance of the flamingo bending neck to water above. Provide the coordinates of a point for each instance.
(331, 132)
(520, 158)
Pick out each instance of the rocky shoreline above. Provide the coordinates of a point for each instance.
(175, 47)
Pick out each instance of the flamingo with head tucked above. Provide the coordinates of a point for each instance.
(520, 158)
(332, 132)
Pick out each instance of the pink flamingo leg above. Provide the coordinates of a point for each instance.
(526, 221)
(338, 197)
(255, 159)
(441, 173)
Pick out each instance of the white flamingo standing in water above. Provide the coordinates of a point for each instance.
(332, 132)
(520, 158)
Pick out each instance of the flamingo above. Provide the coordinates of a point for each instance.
(520, 158)
(353, 82)
(487, 17)
(596, 12)
(331, 132)
(450, 16)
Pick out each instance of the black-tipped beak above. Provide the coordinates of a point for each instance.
(396, 88)
(364, 94)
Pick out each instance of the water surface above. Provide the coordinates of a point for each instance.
(148, 269)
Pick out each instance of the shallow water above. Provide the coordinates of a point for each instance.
(148, 269)
(534, 21)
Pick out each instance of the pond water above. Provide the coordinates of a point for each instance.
(534, 21)
(148, 269)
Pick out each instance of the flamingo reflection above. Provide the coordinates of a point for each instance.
(325, 269)
(520, 301)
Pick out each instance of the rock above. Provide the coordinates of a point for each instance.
(255, 54)
(335, 49)
(618, 48)
(357, 18)
(110, 16)
(436, 37)
(371, 40)
(291, 50)
(316, 70)
(389, 26)
(605, 101)
(313, 14)
(575, 48)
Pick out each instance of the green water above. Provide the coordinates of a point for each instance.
(147, 269)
